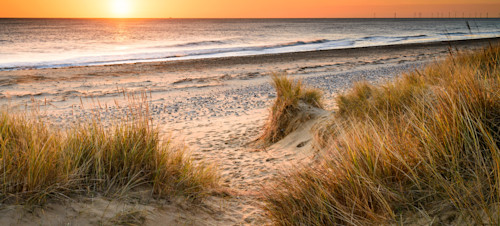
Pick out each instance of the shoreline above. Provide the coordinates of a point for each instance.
(279, 57)
(323, 53)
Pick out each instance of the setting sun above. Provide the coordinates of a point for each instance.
(120, 8)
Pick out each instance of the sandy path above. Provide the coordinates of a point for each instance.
(245, 169)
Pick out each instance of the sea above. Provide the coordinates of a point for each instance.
(53, 43)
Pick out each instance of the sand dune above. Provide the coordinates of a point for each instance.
(217, 107)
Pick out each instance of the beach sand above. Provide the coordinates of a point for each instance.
(217, 107)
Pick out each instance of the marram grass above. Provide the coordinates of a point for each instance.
(421, 150)
(38, 163)
(287, 112)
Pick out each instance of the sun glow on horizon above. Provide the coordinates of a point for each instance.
(248, 8)
(121, 8)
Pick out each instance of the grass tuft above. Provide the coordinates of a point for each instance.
(424, 149)
(38, 163)
(290, 108)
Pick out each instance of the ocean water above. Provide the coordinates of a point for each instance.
(51, 43)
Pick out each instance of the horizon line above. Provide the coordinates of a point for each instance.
(249, 17)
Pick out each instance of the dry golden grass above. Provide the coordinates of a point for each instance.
(290, 108)
(424, 148)
(38, 163)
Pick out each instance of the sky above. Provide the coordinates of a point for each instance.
(247, 8)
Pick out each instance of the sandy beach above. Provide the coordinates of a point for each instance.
(217, 107)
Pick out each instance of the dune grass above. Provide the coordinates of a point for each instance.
(287, 112)
(39, 162)
(422, 150)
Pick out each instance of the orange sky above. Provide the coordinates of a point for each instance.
(247, 8)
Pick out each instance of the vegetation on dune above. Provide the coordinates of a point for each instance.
(289, 108)
(423, 149)
(38, 163)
